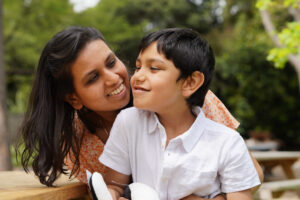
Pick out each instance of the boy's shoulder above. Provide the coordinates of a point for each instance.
(220, 129)
(133, 111)
(133, 115)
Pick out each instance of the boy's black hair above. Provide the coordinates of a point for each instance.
(189, 53)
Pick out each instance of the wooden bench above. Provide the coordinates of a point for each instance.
(17, 185)
(285, 159)
(275, 189)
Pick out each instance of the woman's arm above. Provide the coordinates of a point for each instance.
(115, 182)
(245, 195)
(259, 172)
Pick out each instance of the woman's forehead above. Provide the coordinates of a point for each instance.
(93, 56)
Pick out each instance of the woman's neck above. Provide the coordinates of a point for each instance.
(108, 118)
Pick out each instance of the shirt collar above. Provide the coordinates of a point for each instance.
(153, 122)
(192, 135)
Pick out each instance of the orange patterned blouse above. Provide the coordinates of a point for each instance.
(92, 146)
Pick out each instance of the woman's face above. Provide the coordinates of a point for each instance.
(100, 80)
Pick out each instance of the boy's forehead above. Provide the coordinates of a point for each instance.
(151, 52)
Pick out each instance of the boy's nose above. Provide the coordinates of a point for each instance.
(139, 75)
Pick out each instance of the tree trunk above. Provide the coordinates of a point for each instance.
(270, 29)
(5, 160)
(295, 61)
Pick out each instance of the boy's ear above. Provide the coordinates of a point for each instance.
(74, 101)
(192, 83)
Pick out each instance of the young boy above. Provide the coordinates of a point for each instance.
(165, 141)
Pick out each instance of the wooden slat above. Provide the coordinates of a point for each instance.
(282, 185)
(16, 185)
(275, 155)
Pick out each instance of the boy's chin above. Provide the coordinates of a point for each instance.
(141, 106)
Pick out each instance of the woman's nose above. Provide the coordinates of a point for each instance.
(111, 78)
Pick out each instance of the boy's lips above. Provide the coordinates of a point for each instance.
(139, 88)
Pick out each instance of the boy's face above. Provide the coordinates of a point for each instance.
(154, 83)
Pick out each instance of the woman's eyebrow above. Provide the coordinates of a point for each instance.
(86, 76)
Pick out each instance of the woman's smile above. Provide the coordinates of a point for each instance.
(117, 91)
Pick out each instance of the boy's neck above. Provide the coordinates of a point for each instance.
(176, 121)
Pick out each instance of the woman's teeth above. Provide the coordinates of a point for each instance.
(117, 91)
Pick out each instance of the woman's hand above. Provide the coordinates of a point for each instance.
(194, 197)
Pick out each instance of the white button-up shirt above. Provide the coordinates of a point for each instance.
(206, 160)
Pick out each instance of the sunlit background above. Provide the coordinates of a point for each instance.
(256, 44)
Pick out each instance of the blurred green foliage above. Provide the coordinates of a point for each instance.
(289, 35)
(259, 95)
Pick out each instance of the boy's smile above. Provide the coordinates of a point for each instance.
(154, 84)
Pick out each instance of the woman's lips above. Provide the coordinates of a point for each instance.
(117, 91)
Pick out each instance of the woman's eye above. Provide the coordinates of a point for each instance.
(111, 63)
(92, 78)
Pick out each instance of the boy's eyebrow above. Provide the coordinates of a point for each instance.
(151, 60)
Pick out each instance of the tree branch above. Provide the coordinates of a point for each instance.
(269, 26)
(270, 29)
(295, 12)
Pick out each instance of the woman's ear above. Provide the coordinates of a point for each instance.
(74, 101)
(192, 83)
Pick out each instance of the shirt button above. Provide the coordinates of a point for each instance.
(169, 154)
(164, 180)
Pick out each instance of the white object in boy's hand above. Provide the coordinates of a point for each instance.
(134, 191)
(140, 191)
(98, 187)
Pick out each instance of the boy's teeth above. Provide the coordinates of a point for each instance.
(117, 91)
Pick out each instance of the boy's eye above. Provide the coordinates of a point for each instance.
(137, 68)
(154, 68)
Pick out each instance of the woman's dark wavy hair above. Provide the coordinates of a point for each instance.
(189, 53)
(47, 129)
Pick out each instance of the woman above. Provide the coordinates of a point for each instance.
(80, 86)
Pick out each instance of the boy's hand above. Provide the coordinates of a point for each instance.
(114, 194)
(194, 197)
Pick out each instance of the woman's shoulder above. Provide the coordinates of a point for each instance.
(215, 110)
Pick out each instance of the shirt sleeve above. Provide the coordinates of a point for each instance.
(215, 110)
(115, 154)
(237, 171)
